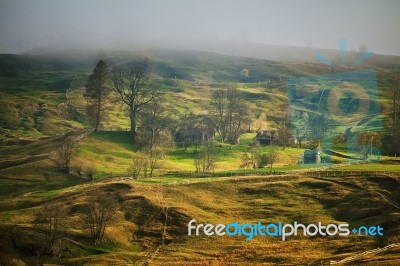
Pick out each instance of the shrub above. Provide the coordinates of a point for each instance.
(91, 172)
(140, 162)
(79, 170)
(64, 155)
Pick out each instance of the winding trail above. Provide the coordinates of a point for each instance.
(57, 141)
(365, 254)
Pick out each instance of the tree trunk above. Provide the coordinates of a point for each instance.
(98, 115)
(97, 123)
(153, 134)
(132, 117)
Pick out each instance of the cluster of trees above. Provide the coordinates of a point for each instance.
(155, 138)
(140, 94)
(310, 126)
(132, 87)
(145, 163)
(228, 117)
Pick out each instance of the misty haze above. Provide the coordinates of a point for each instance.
(46, 25)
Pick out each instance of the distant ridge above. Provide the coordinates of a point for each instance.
(241, 49)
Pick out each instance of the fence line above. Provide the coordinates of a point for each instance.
(337, 173)
(310, 173)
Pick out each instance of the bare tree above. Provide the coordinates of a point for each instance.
(99, 213)
(230, 113)
(218, 106)
(206, 158)
(155, 121)
(367, 140)
(50, 220)
(272, 157)
(139, 164)
(155, 137)
(301, 129)
(155, 157)
(97, 95)
(64, 155)
(135, 89)
(284, 131)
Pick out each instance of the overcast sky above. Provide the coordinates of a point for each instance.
(29, 24)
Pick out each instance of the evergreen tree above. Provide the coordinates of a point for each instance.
(97, 95)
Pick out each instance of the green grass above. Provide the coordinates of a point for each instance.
(109, 152)
(373, 167)
(112, 152)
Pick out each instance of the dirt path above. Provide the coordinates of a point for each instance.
(366, 254)
(51, 145)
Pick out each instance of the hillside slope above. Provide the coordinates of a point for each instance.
(136, 230)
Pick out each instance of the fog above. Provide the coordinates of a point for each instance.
(29, 25)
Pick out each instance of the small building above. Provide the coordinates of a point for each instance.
(312, 156)
(264, 137)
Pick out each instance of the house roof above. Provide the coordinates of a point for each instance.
(311, 152)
